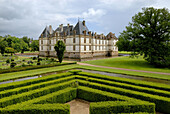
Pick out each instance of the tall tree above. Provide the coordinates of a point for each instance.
(149, 33)
(124, 44)
(9, 50)
(3, 44)
(60, 48)
(35, 45)
(16, 46)
(23, 46)
(26, 40)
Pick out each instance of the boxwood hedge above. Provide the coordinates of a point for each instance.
(108, 94)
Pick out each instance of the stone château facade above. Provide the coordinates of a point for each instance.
(79, 41)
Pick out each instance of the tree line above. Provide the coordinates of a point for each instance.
(12, 44)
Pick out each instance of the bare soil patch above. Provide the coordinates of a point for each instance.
(79, 106)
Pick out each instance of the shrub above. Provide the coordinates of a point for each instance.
(8, 61)
(127, 86)
(33, 87)
(34, 81)
(13, 64)
(121, 107)
(30, 62)
(52, 59)
(38, 63)
(128, 81)
(32, 94)
(34, 58)
(39, 59)
(162, 103)
(12, 59)
(33, 67)
(23, 65)
(39, 109)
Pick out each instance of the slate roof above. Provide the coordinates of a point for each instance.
(80, 28)
(69, 29)
(46, 32)
(111, 35)
(66, 29)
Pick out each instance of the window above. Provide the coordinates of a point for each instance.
(89, 47)
(96, 41)
(99, 47)
(99, 41)
(64, 40)
(95, 47)
(41, 47)
(74, 40)
(50, 48)
(50, 41)
(41, 41)
(84, 40)
(74, 47)
(89, 40)
(84, 48)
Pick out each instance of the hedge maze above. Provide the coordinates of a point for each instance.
(106, 94)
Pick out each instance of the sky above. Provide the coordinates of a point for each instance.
(30, 17)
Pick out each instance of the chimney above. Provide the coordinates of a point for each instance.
(84, 32)
(68, 25)
(74, 32)
(89, 33)
(64, 33)
(50, 27)
(83, 22)
(41, 35)
(61, 27)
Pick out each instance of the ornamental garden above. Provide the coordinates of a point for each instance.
(106, 94)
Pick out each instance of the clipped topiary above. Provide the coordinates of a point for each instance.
(8, 61)
(13, 64)
(60, 48)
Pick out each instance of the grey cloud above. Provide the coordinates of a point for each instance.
(29, 17)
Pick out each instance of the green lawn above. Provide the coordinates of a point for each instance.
(132, 73)
(128, 63)
(27, 73)
(14, 75)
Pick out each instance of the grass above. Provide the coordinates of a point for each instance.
(128, 63)
(28, 73)
(124, 52)
(15, 75)
(132, 73)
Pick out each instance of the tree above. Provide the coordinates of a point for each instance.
(23, 46)
(149, 34)
(124, 44)
(26, 40)
(16, 46)
(3, 44)
(9, 50)
(60, 48)
(35, 45)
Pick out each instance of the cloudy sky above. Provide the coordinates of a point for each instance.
(29, 17)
